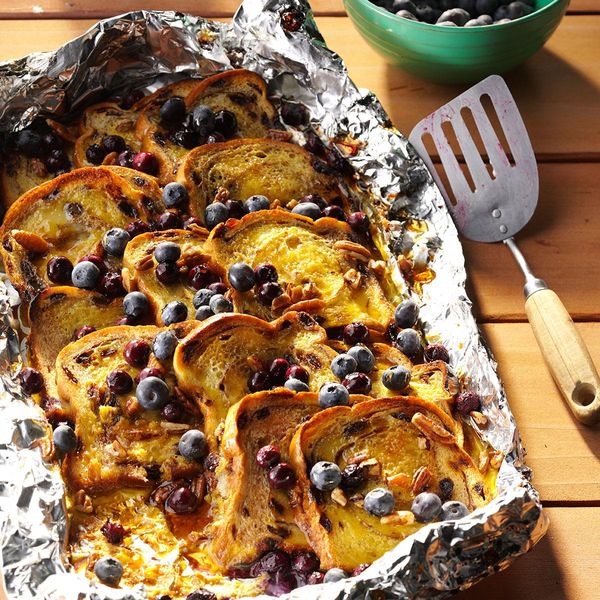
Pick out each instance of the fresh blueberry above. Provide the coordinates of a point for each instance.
(241, 276)
(308, 209)
(426, 507)
(215, 213)
(64, 438)
(406, 314)
(458, 16)
(256, 203)
(114, 143)
(202, 297)
(95, 154)
(108, 570)
(396, 378)
(484, 20)
(85, 275)
(115, 240)
(173, 110)
(408, 342)
(226, 123)
(365, 360)
(136, 305)
(407, 5)
(296, 385)
(186, 138)
(175, 195)
(193, 446)
(501, 13)
(174, 312)
(467, 5)
(167, 252)
(30, 143)
(203, 313)
(333, 394)
(219, 304)
(152, 393)
(518, 9)
(428, 13)
(334, 575)
(203, 120)
(379, 502)
(164, 345)
(486, 7)
(343, 364)
(453, 510)
(325, 476)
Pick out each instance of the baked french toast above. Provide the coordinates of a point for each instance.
(68, 217)
(321, 269)
(238, 346)
(239, 92)
(139, 267)
(249, 516)
(119, 441)
(242, 168)
(405, 445)
(56, 317)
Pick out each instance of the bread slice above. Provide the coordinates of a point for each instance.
(240, 91)
(118, 440)
(321, 268)
(143, 182)
(213, 364)
(101, 120)
(54, 316)
(249, 517)
(392, 438)
(67, 217)
(139, 267)
(278, 170)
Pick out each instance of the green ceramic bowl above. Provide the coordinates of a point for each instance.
(455, 54)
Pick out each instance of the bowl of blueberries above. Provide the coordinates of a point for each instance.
(456, 41)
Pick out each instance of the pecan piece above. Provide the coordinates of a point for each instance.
(432, 430)
(31, 242)
(400, 517)
(421, 480)
(479, 418)
(338, 496)
(83, 503)
(353, 278)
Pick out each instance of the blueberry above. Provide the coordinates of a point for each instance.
(202, 297)
(173, 110)
(473, 23)
(485, 20)
(85, 275)
(466, 5)
(185, 138)
(241, 276)
(406, 5)
(203, 120)
(308, 209)
(30, 143)
(333, 394)
(236, 209)
(215, 213)
(226, 123)
(406, 15)
(342, 365)
(379, 502)
(486, 7)
(164, 345)
(167, 252)
(453, 510)
(426, 507)
(518, 9)
(334, 575)
(408, 342)
(219, 304)
(114, 143)
(458, 16)
(325, 476)
(365, 361)
(406, 314)
(152, 393)
(296, 385)
(108, 570)
(115, 240)
(64, 438)
(257, 202)
(174, 312)
(428, 14)
(396, 378)
(193, 446)
(175, 195)
(501, 13)
(136, 305)
(203, 313)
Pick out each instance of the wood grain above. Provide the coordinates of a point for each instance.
(87, 9)
(561, 566)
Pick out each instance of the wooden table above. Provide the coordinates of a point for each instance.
(558, 92)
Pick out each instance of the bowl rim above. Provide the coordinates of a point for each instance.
(434, 27)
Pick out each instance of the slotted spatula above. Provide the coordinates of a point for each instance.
(498, 208)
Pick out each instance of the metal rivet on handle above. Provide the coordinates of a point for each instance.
(496, 213)
(503, 228)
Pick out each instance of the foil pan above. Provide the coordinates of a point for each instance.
(279, 40)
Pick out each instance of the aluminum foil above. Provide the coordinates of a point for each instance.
(279, 40)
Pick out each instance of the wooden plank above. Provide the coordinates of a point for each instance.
(564, 455)
(87, 9)
(560, 567)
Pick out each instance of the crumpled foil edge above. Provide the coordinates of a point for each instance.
(141, 46)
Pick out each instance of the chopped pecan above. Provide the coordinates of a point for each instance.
(310, 306)
(400, 517)
(496, 459)
(353, 278)
(291, 204)
(400, 481)
(145, 263)
(110, 158)
(357, 499)
(83, 503)
(432, 430)
(479, 418)
(281, 302)
(353, 250)
(31, 242)
(132, 407)
(421, 480)
(222, 195)
(358, 458)
(423, 443)
(372, 466)
(162, 492)
(337, 495)
(377, 266)
(484, 461)
(198, 486)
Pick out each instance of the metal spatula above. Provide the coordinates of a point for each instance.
(499, 207)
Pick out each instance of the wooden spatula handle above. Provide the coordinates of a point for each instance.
(565, 354)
